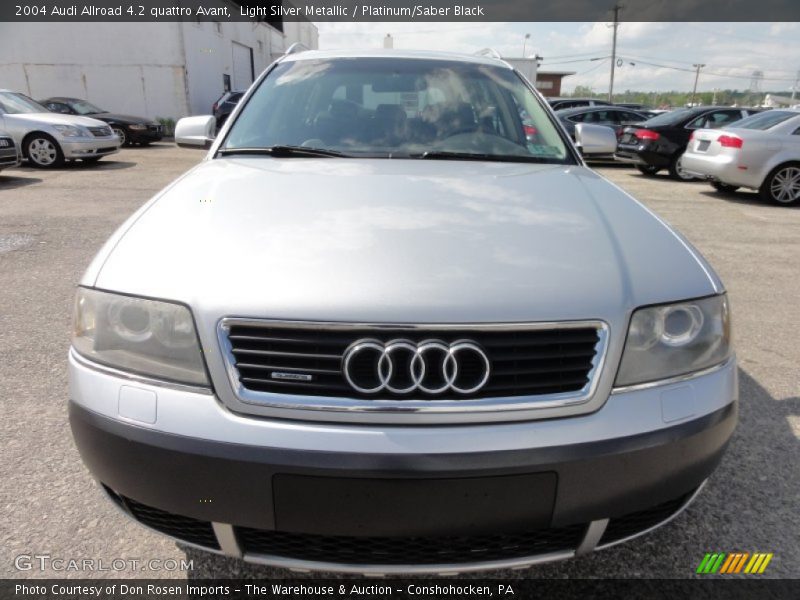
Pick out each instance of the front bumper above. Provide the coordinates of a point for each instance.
(89, 148)
(151, 134)
(9, 154)
(273, 491)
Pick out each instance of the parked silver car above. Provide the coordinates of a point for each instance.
(9, 152)
(761, 152)
(47, 139)
(379, 330)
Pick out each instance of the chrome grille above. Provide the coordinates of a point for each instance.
(307, 359)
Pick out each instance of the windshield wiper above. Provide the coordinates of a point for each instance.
(283, 151)
(446, 155)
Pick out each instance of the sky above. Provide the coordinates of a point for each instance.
(654, 57)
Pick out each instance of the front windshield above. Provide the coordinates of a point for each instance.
(85, 108)
(398, 108)
(13, 104)
(765, 120)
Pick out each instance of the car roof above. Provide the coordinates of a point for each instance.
(567, 99)
(393, 53)
(62, 99)
(585, 109)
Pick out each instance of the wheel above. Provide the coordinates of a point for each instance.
(648, 170)
(121, 135)
(782, 185)
(676, 170)
(724, 187)
(42, 151)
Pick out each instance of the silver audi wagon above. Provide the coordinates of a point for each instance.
(393, 324)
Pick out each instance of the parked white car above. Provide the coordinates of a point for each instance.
(48, 139)
(9, 152)
(761, 152)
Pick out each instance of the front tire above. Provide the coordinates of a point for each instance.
(782, 185)
(43, 151)
(724, 187)
(676, 170)
(648, 170)
(120, 133)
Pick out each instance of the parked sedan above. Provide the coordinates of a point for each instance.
(611, 116)
(223, 107)
(47, 139)
(761, 152)
(129, 129)
(562, 103)
(9, 152)
(659, 143)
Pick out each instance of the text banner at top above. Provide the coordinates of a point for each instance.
(398, 10)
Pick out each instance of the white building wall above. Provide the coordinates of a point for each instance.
(526, 66)
(120, 67)
(157, 70)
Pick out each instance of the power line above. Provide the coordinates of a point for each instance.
(569, 62)
(600, 64)
(641, 58)
(709, 73)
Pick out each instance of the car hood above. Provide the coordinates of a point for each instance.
(399, 241)
(55, 119)
(125, 119)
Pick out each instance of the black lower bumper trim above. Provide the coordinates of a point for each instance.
(232, 483)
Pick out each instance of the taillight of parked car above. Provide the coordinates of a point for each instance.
(646, 134)
(730, 141)
(529, 130)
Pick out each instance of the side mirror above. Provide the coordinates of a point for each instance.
(195, 132)
(595, 140)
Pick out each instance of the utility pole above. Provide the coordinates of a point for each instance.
(697, 66)
(525, 44)
(794, 87)
(617, 7)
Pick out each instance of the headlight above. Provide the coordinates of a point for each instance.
(150, 337)
(71, 131)
(137, 127)
(675, 339)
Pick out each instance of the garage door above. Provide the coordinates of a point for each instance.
(242, 66)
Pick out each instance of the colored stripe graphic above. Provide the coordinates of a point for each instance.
(711, 562)
(740, 564)
(758, 563)
(734, 562)
(729, 562)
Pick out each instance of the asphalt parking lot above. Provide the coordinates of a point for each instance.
(53, 222)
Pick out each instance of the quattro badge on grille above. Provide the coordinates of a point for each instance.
(291, 376)
(402, 367)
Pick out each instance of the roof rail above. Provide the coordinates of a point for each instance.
(490, 52)
(297, 47)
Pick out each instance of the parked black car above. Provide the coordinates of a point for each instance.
(562, 103)
(633, 106)
(129, 129)
(659, 143)
(223, 107)
(612, 116)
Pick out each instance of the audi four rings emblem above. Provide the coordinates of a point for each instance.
(402, 367)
